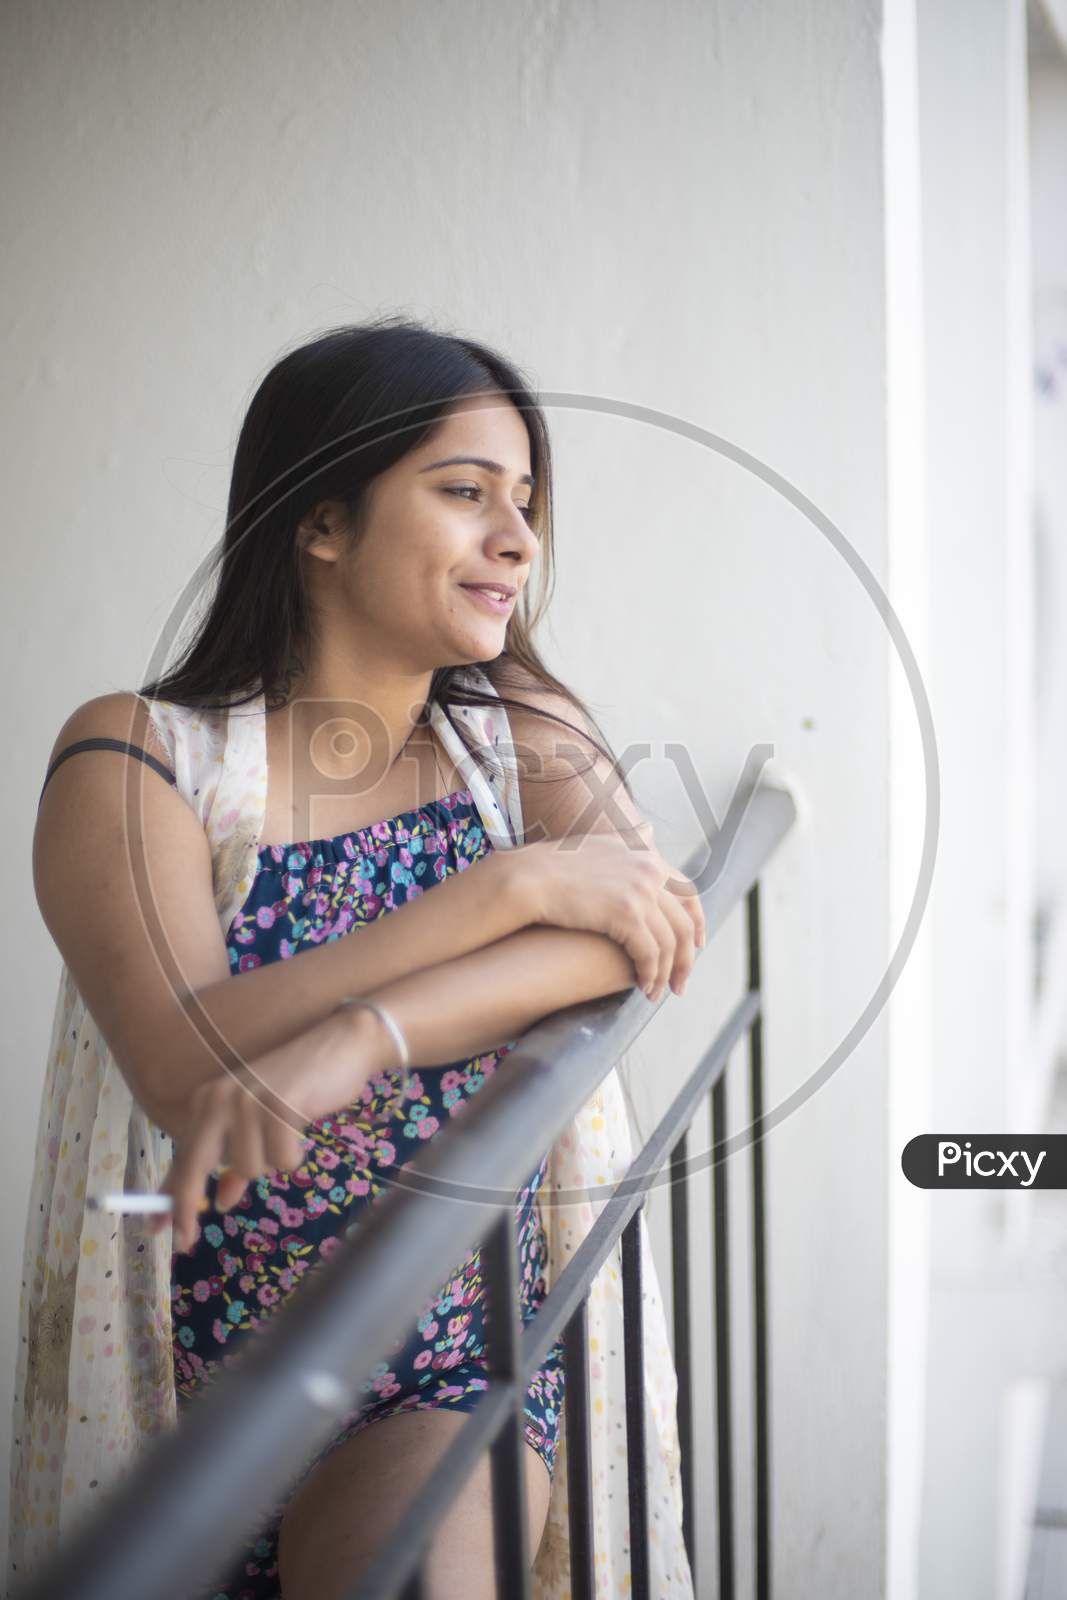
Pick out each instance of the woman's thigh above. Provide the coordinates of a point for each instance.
(342, 1512)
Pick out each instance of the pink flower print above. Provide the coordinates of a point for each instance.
(265, 917)
(386, 1153)
(246, 1283)
(316, 1205)
(421, 1359)
(448, 1390)
(268, 1225)
(246, 963)
(389, 1390)
(450, 1079)
(285, 950)
(457, 1324)
(414, 890)
(286, 1279)
(219, 1331)
(302, 1178)
(382, 1380)
(292, 1241)
(380, 830)
(267, 1295)
(292, 1216)
(427, 1126)
(406, 857)
(357, 1185)
(329, 1247)
(324, 1181)
(327, 1159)
(430, 1330)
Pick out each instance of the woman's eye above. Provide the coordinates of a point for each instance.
(475, 489)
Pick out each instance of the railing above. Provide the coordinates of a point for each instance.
(238, 1448)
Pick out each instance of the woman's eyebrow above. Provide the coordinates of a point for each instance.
(474, 461)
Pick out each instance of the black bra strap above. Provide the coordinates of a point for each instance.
(107, 744)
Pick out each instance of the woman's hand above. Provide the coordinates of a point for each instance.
(616, 883)
(251, 1120)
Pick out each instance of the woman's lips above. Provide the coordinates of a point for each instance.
(493, 602)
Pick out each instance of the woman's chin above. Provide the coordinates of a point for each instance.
(485, 644)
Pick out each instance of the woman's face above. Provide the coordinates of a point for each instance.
(430, 532)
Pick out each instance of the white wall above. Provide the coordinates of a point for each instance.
(682, 208)
(976, 264)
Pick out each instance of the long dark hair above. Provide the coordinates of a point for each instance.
(327, 419)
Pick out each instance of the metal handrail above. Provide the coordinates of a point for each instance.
(240, 1446)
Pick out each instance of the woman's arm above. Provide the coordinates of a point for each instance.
(466, 1007)
(250, 1121)
(126, 893)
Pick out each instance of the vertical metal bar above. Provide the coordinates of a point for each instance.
(507, 1462)
(579, 1460)
(634, 1363)
(759, 1261)
(680, 1289)
(724, 1442)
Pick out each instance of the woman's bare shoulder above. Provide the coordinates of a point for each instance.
(121, 714)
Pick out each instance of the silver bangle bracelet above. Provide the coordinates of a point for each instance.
(391, 1024)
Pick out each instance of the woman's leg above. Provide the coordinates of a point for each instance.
(342, 1512)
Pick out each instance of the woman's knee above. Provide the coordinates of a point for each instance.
(342, 1513)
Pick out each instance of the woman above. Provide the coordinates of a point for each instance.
(386, 476)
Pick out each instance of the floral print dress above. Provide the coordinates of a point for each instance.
(245, 1262)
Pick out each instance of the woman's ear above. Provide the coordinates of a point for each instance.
(320, 533)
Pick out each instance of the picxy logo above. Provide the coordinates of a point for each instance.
(986, 1161)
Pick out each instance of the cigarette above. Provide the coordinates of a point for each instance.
(130, 1204)
(136, 1204)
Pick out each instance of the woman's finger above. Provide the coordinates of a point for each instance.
(689, 900)
(186, 1182)
(643, 951)
(284, 1145)
(680, 921)
(245, 1157)
(663, 933)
